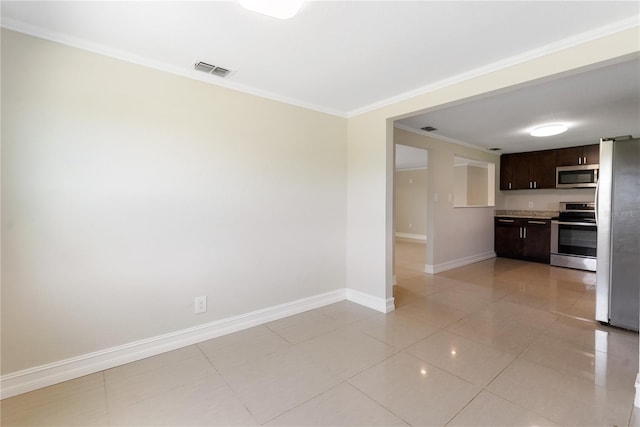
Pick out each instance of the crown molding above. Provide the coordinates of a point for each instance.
(100, 49)
(617, 27)
(83, 44)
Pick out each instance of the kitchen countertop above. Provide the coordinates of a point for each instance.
(526, 214)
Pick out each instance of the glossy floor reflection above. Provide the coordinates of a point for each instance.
(496, 343)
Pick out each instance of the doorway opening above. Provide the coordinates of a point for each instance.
(410, 213)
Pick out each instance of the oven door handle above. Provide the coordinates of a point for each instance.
(589, 224)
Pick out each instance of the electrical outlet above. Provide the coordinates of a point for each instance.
(530, 205)
(200, 304)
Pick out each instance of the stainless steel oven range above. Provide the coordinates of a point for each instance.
(574, 236)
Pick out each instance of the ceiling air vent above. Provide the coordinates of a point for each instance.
(428, 128)
(495, 149)
(211, 69)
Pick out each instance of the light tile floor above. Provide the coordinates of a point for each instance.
(499, 342)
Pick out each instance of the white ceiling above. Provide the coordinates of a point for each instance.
(598, 103)
(347, 57)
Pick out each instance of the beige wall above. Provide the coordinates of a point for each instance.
(460, 182)
(477, 189)
(410, 192)
(127, 192)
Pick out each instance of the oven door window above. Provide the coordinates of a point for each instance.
(577, 240)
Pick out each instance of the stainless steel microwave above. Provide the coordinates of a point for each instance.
(579, 176)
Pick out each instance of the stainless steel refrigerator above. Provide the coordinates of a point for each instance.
(618, 221)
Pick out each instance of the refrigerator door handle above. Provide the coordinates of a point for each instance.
(596, 200)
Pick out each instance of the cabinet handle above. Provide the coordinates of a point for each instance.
(509, 186)
(506, 220)
(537, 222)
(535, 184)
(579, 160)
(584, 160)
(524, 232)
(520, 232)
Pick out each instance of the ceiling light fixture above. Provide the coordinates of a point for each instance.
(281, 9)
(548, 130)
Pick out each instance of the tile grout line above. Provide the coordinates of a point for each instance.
(374, 400)
(156, 394)
(233, 390)
(466, 404)
(344, 381)
(306, 401)
(106, 398)
(630, 415)
(208, 360)
(291, 345)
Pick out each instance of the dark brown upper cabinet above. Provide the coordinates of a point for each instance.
(528, 171)
(575, 156)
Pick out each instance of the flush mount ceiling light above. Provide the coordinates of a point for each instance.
(281, 9)
(549, 130)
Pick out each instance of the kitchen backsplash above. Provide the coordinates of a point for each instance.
(542, 200)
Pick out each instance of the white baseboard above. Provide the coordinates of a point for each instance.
(636, 399)
(438, 268)
(75, 367)
(375, 303)
(412, 236)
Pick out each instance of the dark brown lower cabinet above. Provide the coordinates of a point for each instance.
(523, 238)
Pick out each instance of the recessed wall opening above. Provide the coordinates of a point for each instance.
(474, 183)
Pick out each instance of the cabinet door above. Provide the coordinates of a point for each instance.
(543, 169)
(506, 172)
(507, 238)
(582, 155)
(591, 154)
(521, 166)
(514, 171)
(536, 240)
(528, 171)
(569, 156)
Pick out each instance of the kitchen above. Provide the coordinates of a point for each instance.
(547, 202)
